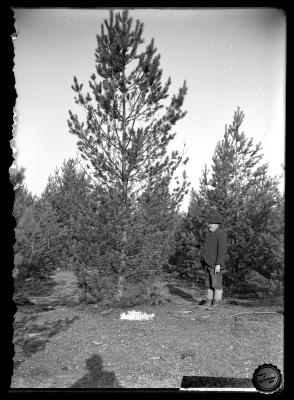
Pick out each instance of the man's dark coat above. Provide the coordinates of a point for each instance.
(215, 248)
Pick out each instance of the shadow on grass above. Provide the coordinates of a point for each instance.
(258, 302)
(30, 337)
(249, 295)
(179, 292)
(245, 297)
(34, 287)
(97, 377)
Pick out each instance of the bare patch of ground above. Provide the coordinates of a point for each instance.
(72, 346)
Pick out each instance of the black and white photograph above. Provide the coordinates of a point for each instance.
(149, 179)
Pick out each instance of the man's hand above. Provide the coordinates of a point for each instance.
(217, 268)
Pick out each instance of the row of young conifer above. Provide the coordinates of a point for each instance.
(76, 226)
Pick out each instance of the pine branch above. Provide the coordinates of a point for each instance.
(87, 173)
(104, 134)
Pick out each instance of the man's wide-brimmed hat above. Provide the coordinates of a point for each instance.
(214, 219)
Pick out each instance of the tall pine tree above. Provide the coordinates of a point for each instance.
(128, 127)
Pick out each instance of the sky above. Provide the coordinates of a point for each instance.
(228, 57)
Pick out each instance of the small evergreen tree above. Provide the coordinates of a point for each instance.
(25, 223)
(183, 262)
(70, 195)
(37, 234)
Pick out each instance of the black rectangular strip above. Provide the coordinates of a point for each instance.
(215, 382)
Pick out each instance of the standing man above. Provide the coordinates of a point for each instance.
(213, 260)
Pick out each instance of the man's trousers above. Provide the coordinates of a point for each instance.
(213, 280)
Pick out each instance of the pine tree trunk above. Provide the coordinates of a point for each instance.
(121, 277)
(236, 201)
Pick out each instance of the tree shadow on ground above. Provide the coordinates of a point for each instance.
(244, 298)
(179, 292)
(250, 295)
(30, 337)
(42, 286)
(97, 377)
(257, 302)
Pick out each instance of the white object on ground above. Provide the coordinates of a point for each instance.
(97, 343)
(136, 315)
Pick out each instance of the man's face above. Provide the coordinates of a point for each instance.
(212, 227)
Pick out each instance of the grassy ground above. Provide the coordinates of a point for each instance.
(62, 345)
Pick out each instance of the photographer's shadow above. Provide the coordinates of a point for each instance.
(97, 377)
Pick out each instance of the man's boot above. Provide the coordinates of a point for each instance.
(215, 304)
